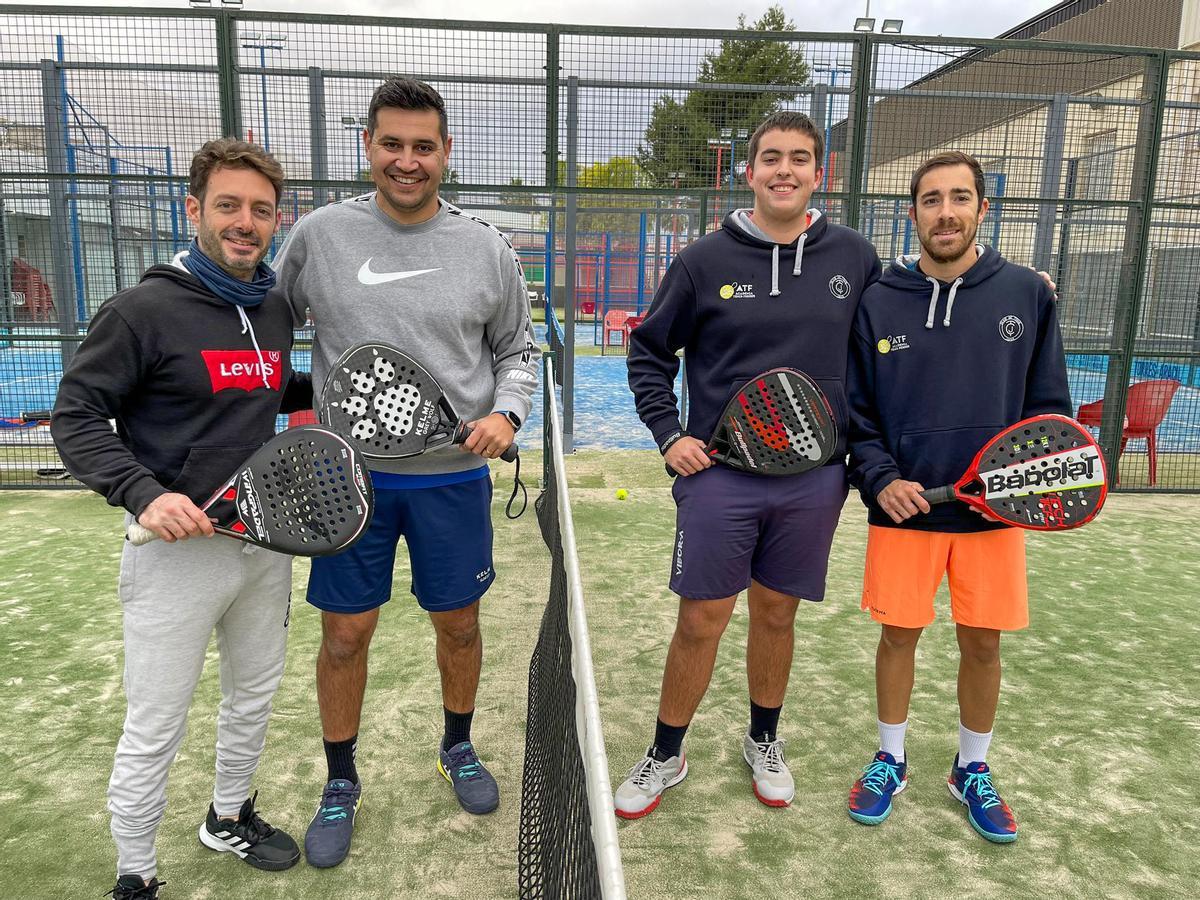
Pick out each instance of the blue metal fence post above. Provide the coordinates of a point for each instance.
(641, 263)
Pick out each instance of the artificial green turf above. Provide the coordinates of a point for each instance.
(1094, 749)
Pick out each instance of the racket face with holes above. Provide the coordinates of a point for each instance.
(1045, 473)
(778, 423)
(386, 403)
(304, 492)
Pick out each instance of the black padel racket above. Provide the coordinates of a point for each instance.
(777, 423)
(389, 405)
(303, 492)
(1045, 473)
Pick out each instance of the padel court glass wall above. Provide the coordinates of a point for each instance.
(602, 152)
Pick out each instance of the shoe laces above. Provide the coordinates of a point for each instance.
(646, 772)
(334, 804)
(251, 826)
(877, 775)
(145, 892)
(465, 764)
(981, 784)
(771, 755)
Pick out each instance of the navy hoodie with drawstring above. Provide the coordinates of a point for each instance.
(937, 369)
(739, 304)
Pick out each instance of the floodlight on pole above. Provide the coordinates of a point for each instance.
(262, 43)
(864, 23)
(355, 125)
(892, 26)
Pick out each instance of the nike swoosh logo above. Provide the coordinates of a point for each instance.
(366, 276)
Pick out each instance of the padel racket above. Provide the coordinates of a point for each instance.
(1045, 473)
(389, 405)
(303, 492)
(777, 423)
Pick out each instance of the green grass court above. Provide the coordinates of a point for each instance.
(1095, 744)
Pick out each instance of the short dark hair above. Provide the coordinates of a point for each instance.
(231, 153)
(949, 158)
(787, 120)
(407, 93)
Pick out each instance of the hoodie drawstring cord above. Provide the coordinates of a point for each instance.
(933, 299)
(799, 253)
(262, 365)
(775, 270)
(950, 301)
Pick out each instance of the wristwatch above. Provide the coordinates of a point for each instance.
(513, 419)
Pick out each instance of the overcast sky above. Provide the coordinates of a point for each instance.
(959, 18)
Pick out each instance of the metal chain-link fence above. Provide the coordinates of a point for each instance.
(601, 152)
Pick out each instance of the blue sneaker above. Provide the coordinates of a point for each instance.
(986, 811)
(473, 784)
(871, 796)
(328, 838)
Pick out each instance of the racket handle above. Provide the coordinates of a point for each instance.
(511, 453)
(671, 471)
(139, 534)
(943, 494)
(464, 431)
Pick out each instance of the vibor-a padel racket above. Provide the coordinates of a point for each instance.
(1045, 473)
(303, 492)
(777, 423)
(389, 405)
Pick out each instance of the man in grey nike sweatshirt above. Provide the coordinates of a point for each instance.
(403, 267)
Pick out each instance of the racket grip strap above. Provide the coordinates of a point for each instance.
(943, 494)
(139, 534)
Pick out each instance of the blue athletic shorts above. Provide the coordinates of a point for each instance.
(448, 530)
(732, 527)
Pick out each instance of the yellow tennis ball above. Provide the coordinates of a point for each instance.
(622, 494)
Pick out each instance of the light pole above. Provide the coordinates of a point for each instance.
(355, 126)
(833, 69)
(866, 23)
(262, 43)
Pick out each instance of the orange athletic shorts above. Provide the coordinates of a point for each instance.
(988, 588)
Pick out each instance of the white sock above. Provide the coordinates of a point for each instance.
(891, 738)
(972, 746)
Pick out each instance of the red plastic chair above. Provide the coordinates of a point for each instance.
(1146, 406)
(631, 323)
(615, 331)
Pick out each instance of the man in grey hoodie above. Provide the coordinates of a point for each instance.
(401, 265)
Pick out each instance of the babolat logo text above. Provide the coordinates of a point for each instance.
(1062, 471)
(737, 291)
(250, 509)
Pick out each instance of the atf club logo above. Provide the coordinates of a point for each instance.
(737, 291)
(839, 286)
(892, 342)
(1011, 328)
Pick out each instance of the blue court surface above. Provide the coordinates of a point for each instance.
(604, 413)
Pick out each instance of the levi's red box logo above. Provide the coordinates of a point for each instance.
(242, 369)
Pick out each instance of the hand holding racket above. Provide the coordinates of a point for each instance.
(777, 423)
(303, 492)
(389, 405)
(1045, 473)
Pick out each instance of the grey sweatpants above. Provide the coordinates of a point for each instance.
(173, 596)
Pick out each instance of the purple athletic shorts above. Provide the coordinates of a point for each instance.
(732, 527)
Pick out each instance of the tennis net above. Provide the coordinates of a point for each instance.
(567, 847)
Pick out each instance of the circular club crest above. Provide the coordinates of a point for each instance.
(839, 287)
(726, 291)
(1011, 328)
(884, 345)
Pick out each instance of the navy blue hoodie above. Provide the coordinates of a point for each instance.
(936, 369)
(739, 305)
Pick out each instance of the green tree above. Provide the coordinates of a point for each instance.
(617, 172)
(675, 151)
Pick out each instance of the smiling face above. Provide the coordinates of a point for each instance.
(235, 219)
(783, 175)
(947, 213)
(408, 158)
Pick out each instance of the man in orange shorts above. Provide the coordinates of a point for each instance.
(948, 348)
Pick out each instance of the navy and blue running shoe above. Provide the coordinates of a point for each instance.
(473, 784)
(871, 796)
(328, 838)
(986, 811)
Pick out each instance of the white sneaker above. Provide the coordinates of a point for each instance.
(771, 778)
(643, 786)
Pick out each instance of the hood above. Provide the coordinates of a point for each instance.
(739, 224)
(903, 275)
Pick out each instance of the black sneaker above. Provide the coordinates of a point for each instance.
(132, 887)
(328, 839)
(250, 838)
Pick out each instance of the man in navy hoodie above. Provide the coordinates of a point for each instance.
(948, 348)
(777, 285)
